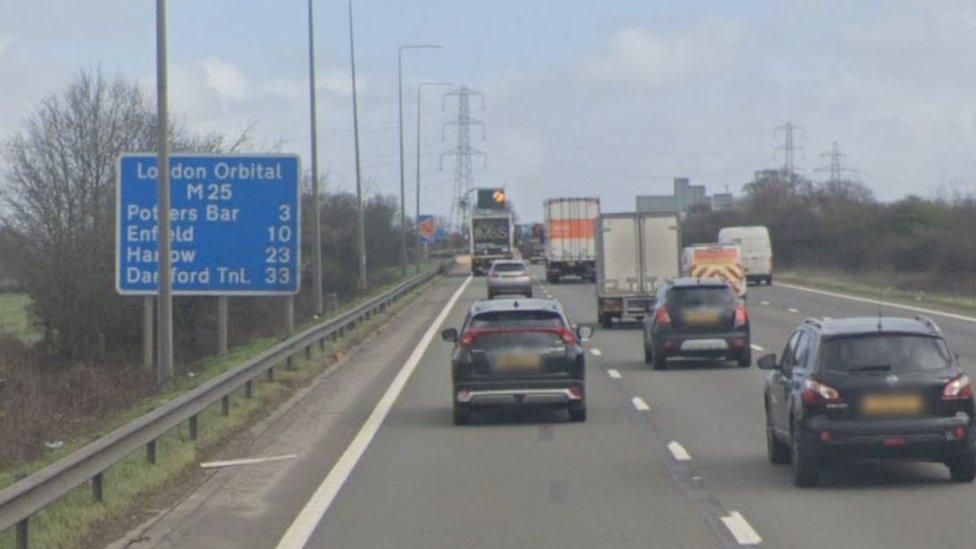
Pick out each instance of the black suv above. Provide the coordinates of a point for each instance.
(514, 352)
(868, 388)
(696, 317)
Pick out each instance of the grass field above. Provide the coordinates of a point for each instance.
(13, 317)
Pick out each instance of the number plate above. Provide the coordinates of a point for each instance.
(877, 405)
(519, 362)
(699, 318)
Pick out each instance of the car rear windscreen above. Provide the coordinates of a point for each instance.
(711, 296)
(885, 353)
(508, 267)
(517, 319)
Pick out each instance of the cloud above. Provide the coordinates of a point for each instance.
(5, 43)
(225, 78)
(641, 57)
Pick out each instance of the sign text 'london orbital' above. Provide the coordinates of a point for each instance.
(234, 224)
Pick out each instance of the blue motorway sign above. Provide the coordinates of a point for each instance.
(234, 224)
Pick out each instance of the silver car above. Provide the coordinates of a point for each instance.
(509, 277)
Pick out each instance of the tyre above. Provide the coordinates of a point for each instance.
(528, 294)
(778, 452)
(462, 415)
(491, 295)
(963, 468)
(648, 355)
(769, 280)
(658, 360)
(606, 321)
(805, 468)
(578, 415)
(745, 359)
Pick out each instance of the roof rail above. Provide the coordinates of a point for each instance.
(814, 322)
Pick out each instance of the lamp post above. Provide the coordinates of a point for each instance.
(420, 88)
(403, 205)
(316, 214)
(361, 222)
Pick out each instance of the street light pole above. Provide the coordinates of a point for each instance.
(164, 321)
(316, 213)
(361, 225)
(403, 203)
(420, 88)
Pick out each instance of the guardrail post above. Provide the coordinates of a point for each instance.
(289, 364)
(225, 405)
(248, 389)
(151, 452)
(97, 487)
(271, 371)
(22, 531)
(193, 427)
(321, 344)
(308, 352)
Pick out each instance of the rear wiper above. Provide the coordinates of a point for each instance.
(871, 368)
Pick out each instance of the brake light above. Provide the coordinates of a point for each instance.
(741, 318)
(662, 317)
(567, 336)
(492, 274)
(957, 389)
(815, 392)
(468, 337)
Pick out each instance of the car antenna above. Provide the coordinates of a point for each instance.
(880, 295)
(515, 305)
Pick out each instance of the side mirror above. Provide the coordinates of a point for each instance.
(583, 333)
(767, 362)
(450, 334)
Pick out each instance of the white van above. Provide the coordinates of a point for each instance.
(757, 252)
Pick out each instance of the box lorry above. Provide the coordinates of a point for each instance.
(570, 247)
(722, 261)
(636, 252)
(491, 236)
(757, 251)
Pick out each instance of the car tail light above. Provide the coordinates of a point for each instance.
(815, 392)
(492, 274)
(468, 337)
(567, 336)
(741, 318)
(957, 389)
(577, 392)
(662, 317)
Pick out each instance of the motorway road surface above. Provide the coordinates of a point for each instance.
(674, 458)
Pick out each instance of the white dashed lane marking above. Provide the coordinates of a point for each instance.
(613, 373)
(766, 303)
(740, 529)
(640, 404)
(596, 352)
(792, 310)
(678, 451)
(757, 348)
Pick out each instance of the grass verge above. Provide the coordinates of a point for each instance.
(14, 319)
(76, 517)
(879, 286)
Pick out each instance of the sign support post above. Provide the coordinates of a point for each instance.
(222, 325)
(148, 313)
(164, 366)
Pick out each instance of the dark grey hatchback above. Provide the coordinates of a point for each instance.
(517, 352)
(868, 387)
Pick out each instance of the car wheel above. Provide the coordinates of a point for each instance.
(769, 280)
(491, 295)
(805, 468)
(657, 357)
(462, 415)
(528, 294)
(648, 355)
(778, 452)
(606, 321)
(578, 414)
(963, 468)
(745, 359)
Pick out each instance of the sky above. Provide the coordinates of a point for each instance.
(607, 98)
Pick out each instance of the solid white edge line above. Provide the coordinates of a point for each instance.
(308, 518)
(764, 303)
(757, 348)
(639, 403)
(246, 461)
(613, 373)
(793, 310)
(743, 533)
(596, 352)
(879, 302)
(678, 451)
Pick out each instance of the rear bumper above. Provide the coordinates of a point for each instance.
(582, 267)
(726, 344)
(510, 286)
(567, 392)
(633, 307)
(932, 439)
